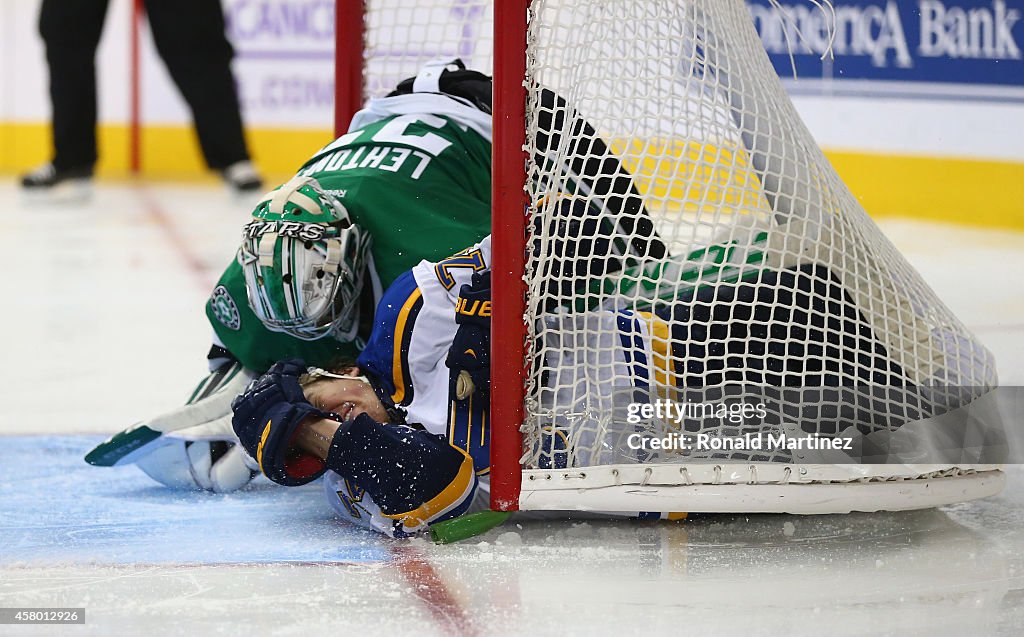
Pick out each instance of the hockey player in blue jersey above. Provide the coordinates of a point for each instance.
(403, 434)
(400, 449)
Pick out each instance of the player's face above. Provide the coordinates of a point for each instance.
(346, 397)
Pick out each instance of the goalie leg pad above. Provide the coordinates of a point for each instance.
(452, 78)
(210, 465)
(801, 321)
(206, 416)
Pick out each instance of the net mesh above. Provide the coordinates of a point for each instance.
(689, 242)
(401, 35)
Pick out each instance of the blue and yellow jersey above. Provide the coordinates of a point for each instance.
(413, 328)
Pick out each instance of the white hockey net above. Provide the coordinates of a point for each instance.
(688, 240)
(401, 35)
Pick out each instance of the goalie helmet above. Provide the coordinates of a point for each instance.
(304, 262)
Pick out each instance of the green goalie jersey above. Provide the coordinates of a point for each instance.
(414, 172)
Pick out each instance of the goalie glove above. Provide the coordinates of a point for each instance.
(192, 447)
(268, 416)
(469, 357)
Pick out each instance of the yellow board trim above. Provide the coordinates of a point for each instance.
(167, 152)
(973, 192)
(681, 175)
(969, 191)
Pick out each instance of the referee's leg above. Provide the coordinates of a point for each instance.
(190, 37)
(71, 31)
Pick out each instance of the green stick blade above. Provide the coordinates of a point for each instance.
(467, 526)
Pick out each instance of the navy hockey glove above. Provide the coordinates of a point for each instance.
(469, 357)
(268, 416)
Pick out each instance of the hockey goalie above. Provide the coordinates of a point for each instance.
(410, 180)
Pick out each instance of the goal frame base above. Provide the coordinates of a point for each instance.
(822, 489)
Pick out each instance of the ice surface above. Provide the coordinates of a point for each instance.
(58, 510)
(141, 558)
(103, 326)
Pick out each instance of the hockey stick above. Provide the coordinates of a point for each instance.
(206, 416)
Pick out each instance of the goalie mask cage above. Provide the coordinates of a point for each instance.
(666, 228)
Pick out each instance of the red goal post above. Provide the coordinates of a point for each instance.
(509, 230)
(509, 203)
(349, 33)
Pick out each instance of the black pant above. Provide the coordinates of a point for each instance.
(189, 36)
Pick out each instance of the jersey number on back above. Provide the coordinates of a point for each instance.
(391, 152)
(473, 259)
(394, 133)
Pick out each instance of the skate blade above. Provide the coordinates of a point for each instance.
(69, 192)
